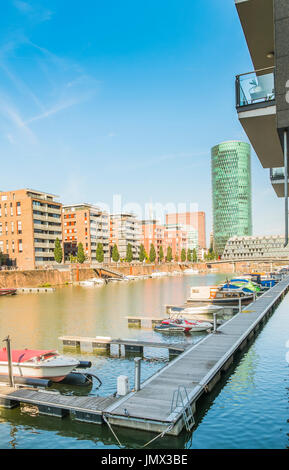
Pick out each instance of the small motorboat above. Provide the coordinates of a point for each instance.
(8, 291)
(206, 309)
(40, 364)
(180, 324)
(191, 271)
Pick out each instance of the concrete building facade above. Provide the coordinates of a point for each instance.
(30, 222)
(238, 248)
(86, 224)
(262, 94)
(125, 229)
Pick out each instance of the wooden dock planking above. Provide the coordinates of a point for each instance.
(198, 367)
(94, 405)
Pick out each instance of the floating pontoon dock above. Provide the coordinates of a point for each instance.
(87, 409)
(167, 400)
(103, 343)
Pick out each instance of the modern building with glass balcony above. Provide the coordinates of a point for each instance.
(262, 94)
(231, 191)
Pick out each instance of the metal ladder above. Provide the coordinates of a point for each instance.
(181, 403)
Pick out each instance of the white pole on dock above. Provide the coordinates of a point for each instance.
(137, 363)
(215, 322)
(240, 304)
(9, 357)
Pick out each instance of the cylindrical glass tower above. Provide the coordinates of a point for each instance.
(231, 186)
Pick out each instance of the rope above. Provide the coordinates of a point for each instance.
(109, 425)
(161, 435)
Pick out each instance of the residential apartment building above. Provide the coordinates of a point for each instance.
(231, 192)
(244, 248)
(177, 238)
(152, 233)
(125, 229)
(262, 98)
(30, 222)
(194, 222)
(86, 224)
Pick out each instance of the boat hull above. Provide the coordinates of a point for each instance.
(8, 291)
(56, 374)
(223, 301)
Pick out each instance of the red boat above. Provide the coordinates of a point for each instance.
(39, 364)
(8, 291)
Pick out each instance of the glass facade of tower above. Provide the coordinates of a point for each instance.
(231, 186)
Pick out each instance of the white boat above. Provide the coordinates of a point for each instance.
(180, 324)
(196, 310)
(159, 274)
(92, 282)
(40, 364)
(191, 271)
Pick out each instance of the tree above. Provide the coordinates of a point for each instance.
(183, 255)
(58, 255)
(189, 255)
(80, 253)
(115, 254)
(99, 253)
(152, 254)
(142, 253)
(129, 253)
(161, 254)
(169, 256)
(194, 256)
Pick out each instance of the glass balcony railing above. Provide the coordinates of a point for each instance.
(277, 174)
(255, 87)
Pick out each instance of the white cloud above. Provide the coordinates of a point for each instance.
(38, 14)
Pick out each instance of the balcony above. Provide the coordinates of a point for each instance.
(255, 103)
(257, 21)
(277, 181)
(255, 89)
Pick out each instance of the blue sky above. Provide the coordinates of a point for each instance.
(101, 98)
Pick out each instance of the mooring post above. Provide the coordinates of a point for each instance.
(215, 322)
(9, 357)
(240, 304)
(254, 296)
(137, 363)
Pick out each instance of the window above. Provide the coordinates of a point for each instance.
(12, 227)
(5, 209)
(18, 205)
(6, 228)
(13, 247)
(19, 226)
(11, 208)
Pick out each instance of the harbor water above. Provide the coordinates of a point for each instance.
(249, 408)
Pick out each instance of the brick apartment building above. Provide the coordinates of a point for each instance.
(30, 222)
(190, 221)
(153, 233)
(86, 224)
(177, 239)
